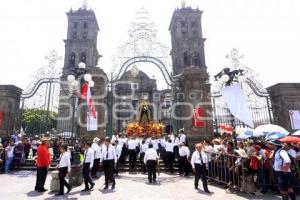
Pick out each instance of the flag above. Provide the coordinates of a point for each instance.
(237, 103)
(90, 103)
(1, 119)
(86, 94)
(198, 118)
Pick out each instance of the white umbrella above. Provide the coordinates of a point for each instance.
(267, 129)
(297, 133)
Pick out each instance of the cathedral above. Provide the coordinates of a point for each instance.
(189, 71)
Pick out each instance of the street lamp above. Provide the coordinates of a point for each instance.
(74, 81)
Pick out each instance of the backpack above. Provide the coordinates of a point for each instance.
(254, 163)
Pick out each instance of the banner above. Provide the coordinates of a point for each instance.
(1, 119)
(236, 101)
(295, 119)
(198, 118)
(92, 121)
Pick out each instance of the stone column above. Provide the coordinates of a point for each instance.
(195, 88)
(9, 108)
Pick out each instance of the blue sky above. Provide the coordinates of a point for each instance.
(266, 32)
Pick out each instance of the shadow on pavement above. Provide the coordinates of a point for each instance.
(34, 194)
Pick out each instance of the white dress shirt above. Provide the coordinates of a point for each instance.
(155, 144)
(65, 161)
(169, 147)
(176, 141)
(184, 151)
(122, 141)
(144, 148)
(89, 156)
(150, 154)
(118, 151)
(97, 150)
(132, 144)
(114, 138)
(182, 138)
(110, 155)
(197, 160)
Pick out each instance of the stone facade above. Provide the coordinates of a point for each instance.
(9, 106)
(284, 97)
(81, 46)
(190, 70)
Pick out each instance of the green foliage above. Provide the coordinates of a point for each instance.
(37, 122)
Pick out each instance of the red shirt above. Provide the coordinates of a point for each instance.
(43, 156)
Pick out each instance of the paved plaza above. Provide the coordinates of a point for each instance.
(19, 185)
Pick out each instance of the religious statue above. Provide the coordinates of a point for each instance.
(144, 113)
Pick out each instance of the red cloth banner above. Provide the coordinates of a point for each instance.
(198, 118)
(1, 119)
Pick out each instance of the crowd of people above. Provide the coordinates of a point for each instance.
(253, 165)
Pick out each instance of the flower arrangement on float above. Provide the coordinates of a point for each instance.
(139, 129)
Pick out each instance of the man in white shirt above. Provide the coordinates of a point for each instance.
(144, 148)
(199, 161)
(170, 155)
(118, 149)
(88, 162)
(282, 168)
(182, 137)
(9, 156)
(64, 167)
(151, 160)
(95, 146)
(132, 144)
(109, 160)
(184, 164)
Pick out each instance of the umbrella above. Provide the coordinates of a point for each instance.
(226, 128)
(275, 136)
(266, 129)
(297, 133)
(290, 139)
(245, 135)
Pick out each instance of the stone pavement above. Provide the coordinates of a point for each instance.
(19, 186)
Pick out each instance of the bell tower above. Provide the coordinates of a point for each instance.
(81, 42)
(187, 39)
(190, 70)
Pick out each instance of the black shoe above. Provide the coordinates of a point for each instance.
(42, 190)
(59, 194)
(196, 187)
(113, 186)
(69, 189)
(85, 190)
(92, 186)
(105, 188)
(207, 191)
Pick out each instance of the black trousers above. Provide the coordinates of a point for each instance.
(62, 172)
(176, 151)
(108, 167)
(184, 166)
(117, 167)
(41, 175)
(86, 175)
(95, 166)
(151, 167)
(170, 160)
(200, 172)
(143, 166)
(132, 158)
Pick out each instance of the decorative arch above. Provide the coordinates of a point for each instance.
(159, 64)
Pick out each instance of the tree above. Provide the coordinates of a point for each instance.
(35, 121)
